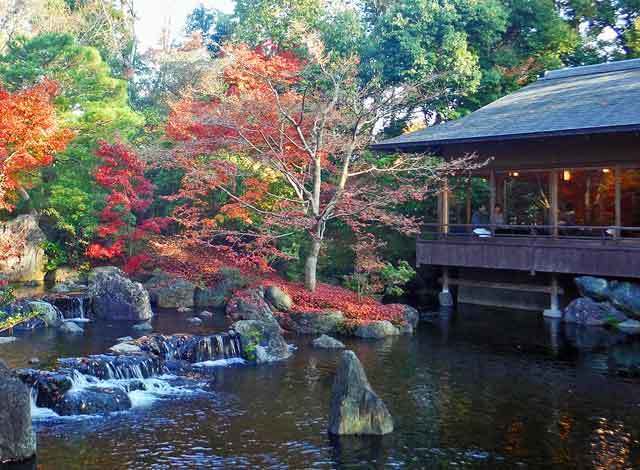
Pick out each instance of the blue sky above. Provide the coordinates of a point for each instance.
(154, 14)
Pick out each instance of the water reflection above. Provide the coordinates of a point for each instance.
(479, 388)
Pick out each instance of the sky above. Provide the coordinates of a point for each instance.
(154, 14)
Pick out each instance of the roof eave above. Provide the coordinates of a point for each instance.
(400, 146)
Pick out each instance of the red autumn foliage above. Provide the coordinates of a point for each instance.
(29, 137)
(304, 127)
(131, 194)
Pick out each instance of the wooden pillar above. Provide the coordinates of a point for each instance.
(554, 302)
(445, 298)
(492, 196)
(587, 201)
(445, 207)
(468, 202)
(553, 190)
(618, 201)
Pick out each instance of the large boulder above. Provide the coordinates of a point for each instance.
(170, 292)
(27, 261)
(51, 315)
(376, 330)
(17, 438)
(49, 386)
(71, 328)
(93, 400)
(278, 298)
(116, 297)
(355, 407)
(261, 341)
(327, 342)
(216, 295)
(250, 304)
(626, 296)
(586, 311)
(313, 323)
(594, 287)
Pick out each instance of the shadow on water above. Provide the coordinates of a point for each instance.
(477, 388)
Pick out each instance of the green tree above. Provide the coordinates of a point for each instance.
(94, 104)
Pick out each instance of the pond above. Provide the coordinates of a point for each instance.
(481, 388)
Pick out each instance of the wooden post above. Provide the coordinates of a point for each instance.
(554, 308)
(618, 202)
(468, 201)
(553, 189)
(492, 196)
(439, 203)
(445, 207)
(445, 298)
(587, 201)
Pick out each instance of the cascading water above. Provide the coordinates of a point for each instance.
(107, 383)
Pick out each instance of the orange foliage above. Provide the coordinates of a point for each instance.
(29, 136)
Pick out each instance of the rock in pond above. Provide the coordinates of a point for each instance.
(261, 341)
(586, 311)
(626, 296)
(278, 298)
(205, 314)
(7, 339)
(167, 291)
(313, 323)
(631, 327)
(17, 438)
(49, 386)
(593, 287)
(355, 407)
(194, 321)
(327, 342)
(70, 327)
(142, 327)
(125, 348)
(115, 297)
(93, 400)
(377, 330)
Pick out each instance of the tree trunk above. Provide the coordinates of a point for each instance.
(311, 265)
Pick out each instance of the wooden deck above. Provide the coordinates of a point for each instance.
(608, 258)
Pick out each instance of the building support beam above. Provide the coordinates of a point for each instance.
(553, 190)
(468, 202)
(445, 298)
(492, 197)
(445, 206)
(618, 201)
(554, 305)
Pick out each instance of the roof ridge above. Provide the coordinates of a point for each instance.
(594, 69)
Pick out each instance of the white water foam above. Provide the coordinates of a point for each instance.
(37, 413)
(221, 362)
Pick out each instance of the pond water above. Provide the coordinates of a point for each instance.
(480, 388)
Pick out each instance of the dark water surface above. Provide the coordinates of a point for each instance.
(478, 389)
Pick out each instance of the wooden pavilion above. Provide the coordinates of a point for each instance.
(565, 172)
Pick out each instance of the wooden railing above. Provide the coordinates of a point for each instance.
(604, 234)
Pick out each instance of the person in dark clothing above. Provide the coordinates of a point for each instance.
(480, 217)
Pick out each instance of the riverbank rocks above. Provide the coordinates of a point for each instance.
(49, 386)
(261, 341)
(167, 291)
(327, 342)
(377, 330)
(313, 323)
(631, 327)
(278, 298)
(625, 296)
(48, 314)
(17, 438)
(586, 311)
(355, 407)
(216, 295)
(116, 297)
(27, 264)
(125, 348)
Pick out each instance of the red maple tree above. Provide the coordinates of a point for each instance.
(285, 142)
(29, 138)
(122, 230)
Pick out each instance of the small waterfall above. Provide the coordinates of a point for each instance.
(107, 367)
(194, 349)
